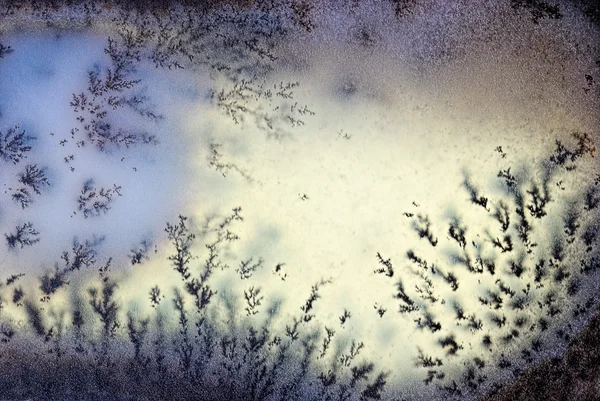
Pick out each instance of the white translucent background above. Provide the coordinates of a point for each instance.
(430, 97)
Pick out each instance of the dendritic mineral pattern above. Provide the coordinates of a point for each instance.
(295, 199)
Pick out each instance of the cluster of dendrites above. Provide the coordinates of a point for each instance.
(521, 305)
(98, 347)
(527, 292)
(517, 284)
(109, 112)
